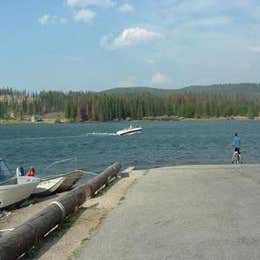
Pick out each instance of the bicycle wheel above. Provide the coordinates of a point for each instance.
(236, 158)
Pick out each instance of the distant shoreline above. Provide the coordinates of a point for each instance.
(163, 118)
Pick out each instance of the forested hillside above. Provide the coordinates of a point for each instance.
(229, 89)
(135, 103)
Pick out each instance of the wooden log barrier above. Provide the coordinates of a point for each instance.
(18, 241)
(102, 179)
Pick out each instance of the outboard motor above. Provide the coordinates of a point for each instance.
(20, 171)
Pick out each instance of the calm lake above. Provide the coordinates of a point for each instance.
(95, 146)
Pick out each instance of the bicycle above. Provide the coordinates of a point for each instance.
(236, 158)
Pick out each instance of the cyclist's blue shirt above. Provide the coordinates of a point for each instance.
(236, 142)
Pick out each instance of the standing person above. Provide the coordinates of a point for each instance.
(237, 145)
(31, 172)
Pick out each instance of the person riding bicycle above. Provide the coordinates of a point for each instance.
(236, 144)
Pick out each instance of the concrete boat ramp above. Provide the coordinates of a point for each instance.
(184, 212)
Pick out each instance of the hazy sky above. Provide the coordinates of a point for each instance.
(100, 44)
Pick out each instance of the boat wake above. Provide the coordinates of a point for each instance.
(42, 138)
(100, 134)
(59, 137)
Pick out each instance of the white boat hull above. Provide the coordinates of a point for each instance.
(47, 187)
(14, 193)
(57, 183)
(129, 131)
(69, 180)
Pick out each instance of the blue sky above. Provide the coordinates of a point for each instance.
(101, 44)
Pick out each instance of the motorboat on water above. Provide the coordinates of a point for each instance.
(130, 130)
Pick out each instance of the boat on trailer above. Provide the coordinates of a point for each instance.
(130, 130)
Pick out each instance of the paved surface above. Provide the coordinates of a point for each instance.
(184, 212)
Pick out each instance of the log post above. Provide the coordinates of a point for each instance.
(18, 241)
(102, 179)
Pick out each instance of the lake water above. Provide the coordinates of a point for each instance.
(96, 146)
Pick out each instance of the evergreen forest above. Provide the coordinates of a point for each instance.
(135, 103)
